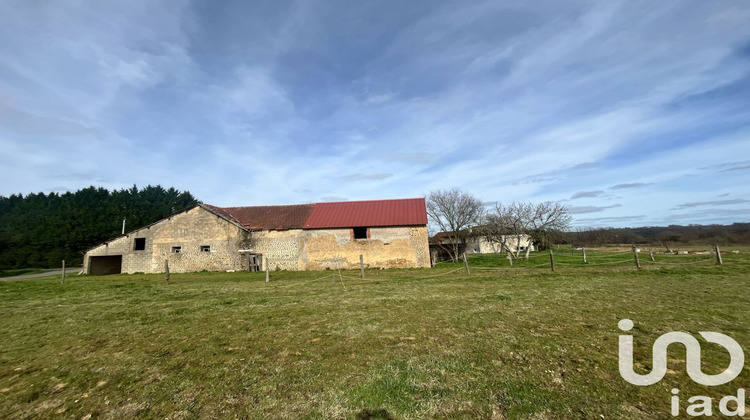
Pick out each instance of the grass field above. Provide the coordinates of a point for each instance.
(519, 342)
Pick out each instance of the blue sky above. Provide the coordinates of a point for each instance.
(632, 113)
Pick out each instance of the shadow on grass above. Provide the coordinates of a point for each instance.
(374, 414)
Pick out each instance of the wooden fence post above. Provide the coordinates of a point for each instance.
(551, 260)
(62, 279)
(651, 255)
(635, 255)
(267, 270)
(584, 256)
(361, 266)
(466, 265)
(166, 271)
(718, 254)
(510, 259)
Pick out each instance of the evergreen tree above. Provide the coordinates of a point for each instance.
(40, 230)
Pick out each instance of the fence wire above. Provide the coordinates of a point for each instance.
(595, 258)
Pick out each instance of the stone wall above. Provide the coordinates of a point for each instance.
(189, 230)
(294, 249)
(386, 247)
(132, 261)
(280, 248)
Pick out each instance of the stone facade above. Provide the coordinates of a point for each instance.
(280, 248)
(190, 231)
(318, 249)
(207, 241)
(385, 247)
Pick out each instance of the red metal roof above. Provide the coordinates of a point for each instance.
(267, 217)
(403, 212)
(346, 214)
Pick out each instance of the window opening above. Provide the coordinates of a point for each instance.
(360, 232)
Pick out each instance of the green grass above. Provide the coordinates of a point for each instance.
(413, 343)
(21, 271)
(595, 259)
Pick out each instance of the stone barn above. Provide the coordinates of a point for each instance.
(387, 233)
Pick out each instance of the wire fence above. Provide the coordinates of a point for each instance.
(565, 260)
(579, 258)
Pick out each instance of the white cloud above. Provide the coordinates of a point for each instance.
(510, 101)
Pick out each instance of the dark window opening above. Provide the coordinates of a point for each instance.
(140, 244)
(176, 249)
(205, 248)
(360, 232)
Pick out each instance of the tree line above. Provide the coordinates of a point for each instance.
(40, 230)
(672, 235)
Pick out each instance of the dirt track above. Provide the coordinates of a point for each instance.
(52, 272)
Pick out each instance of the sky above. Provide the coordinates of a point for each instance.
(630, 113)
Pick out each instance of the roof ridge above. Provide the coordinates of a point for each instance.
(325, 202)
(370, 201)
(227, 215)
(272, 205)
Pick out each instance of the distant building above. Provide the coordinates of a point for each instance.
(480, 244)
(513, 243)
(387, 233)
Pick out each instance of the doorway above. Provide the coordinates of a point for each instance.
(255, 262)
(102, 266)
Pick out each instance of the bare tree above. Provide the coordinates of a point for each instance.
(454, 212)
(543, 222)
(548, 222)
(508, 223)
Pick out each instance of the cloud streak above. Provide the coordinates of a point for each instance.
(712, 203)
(366, 177)
(587, 194)
(590, 209)
(629, 185)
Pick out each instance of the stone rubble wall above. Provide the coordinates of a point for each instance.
(190, 230)
(280, 249)
(293, 249)
(385, 248)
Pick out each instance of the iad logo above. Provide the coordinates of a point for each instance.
(702, 406)
(693, 358)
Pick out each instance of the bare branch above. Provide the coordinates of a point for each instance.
(542, 222)
(454, 211)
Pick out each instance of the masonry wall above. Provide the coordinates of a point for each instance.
(189, 230)
(280, 248)
(386, 247)
(293, 249)
(136, 261)
(318, 249)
